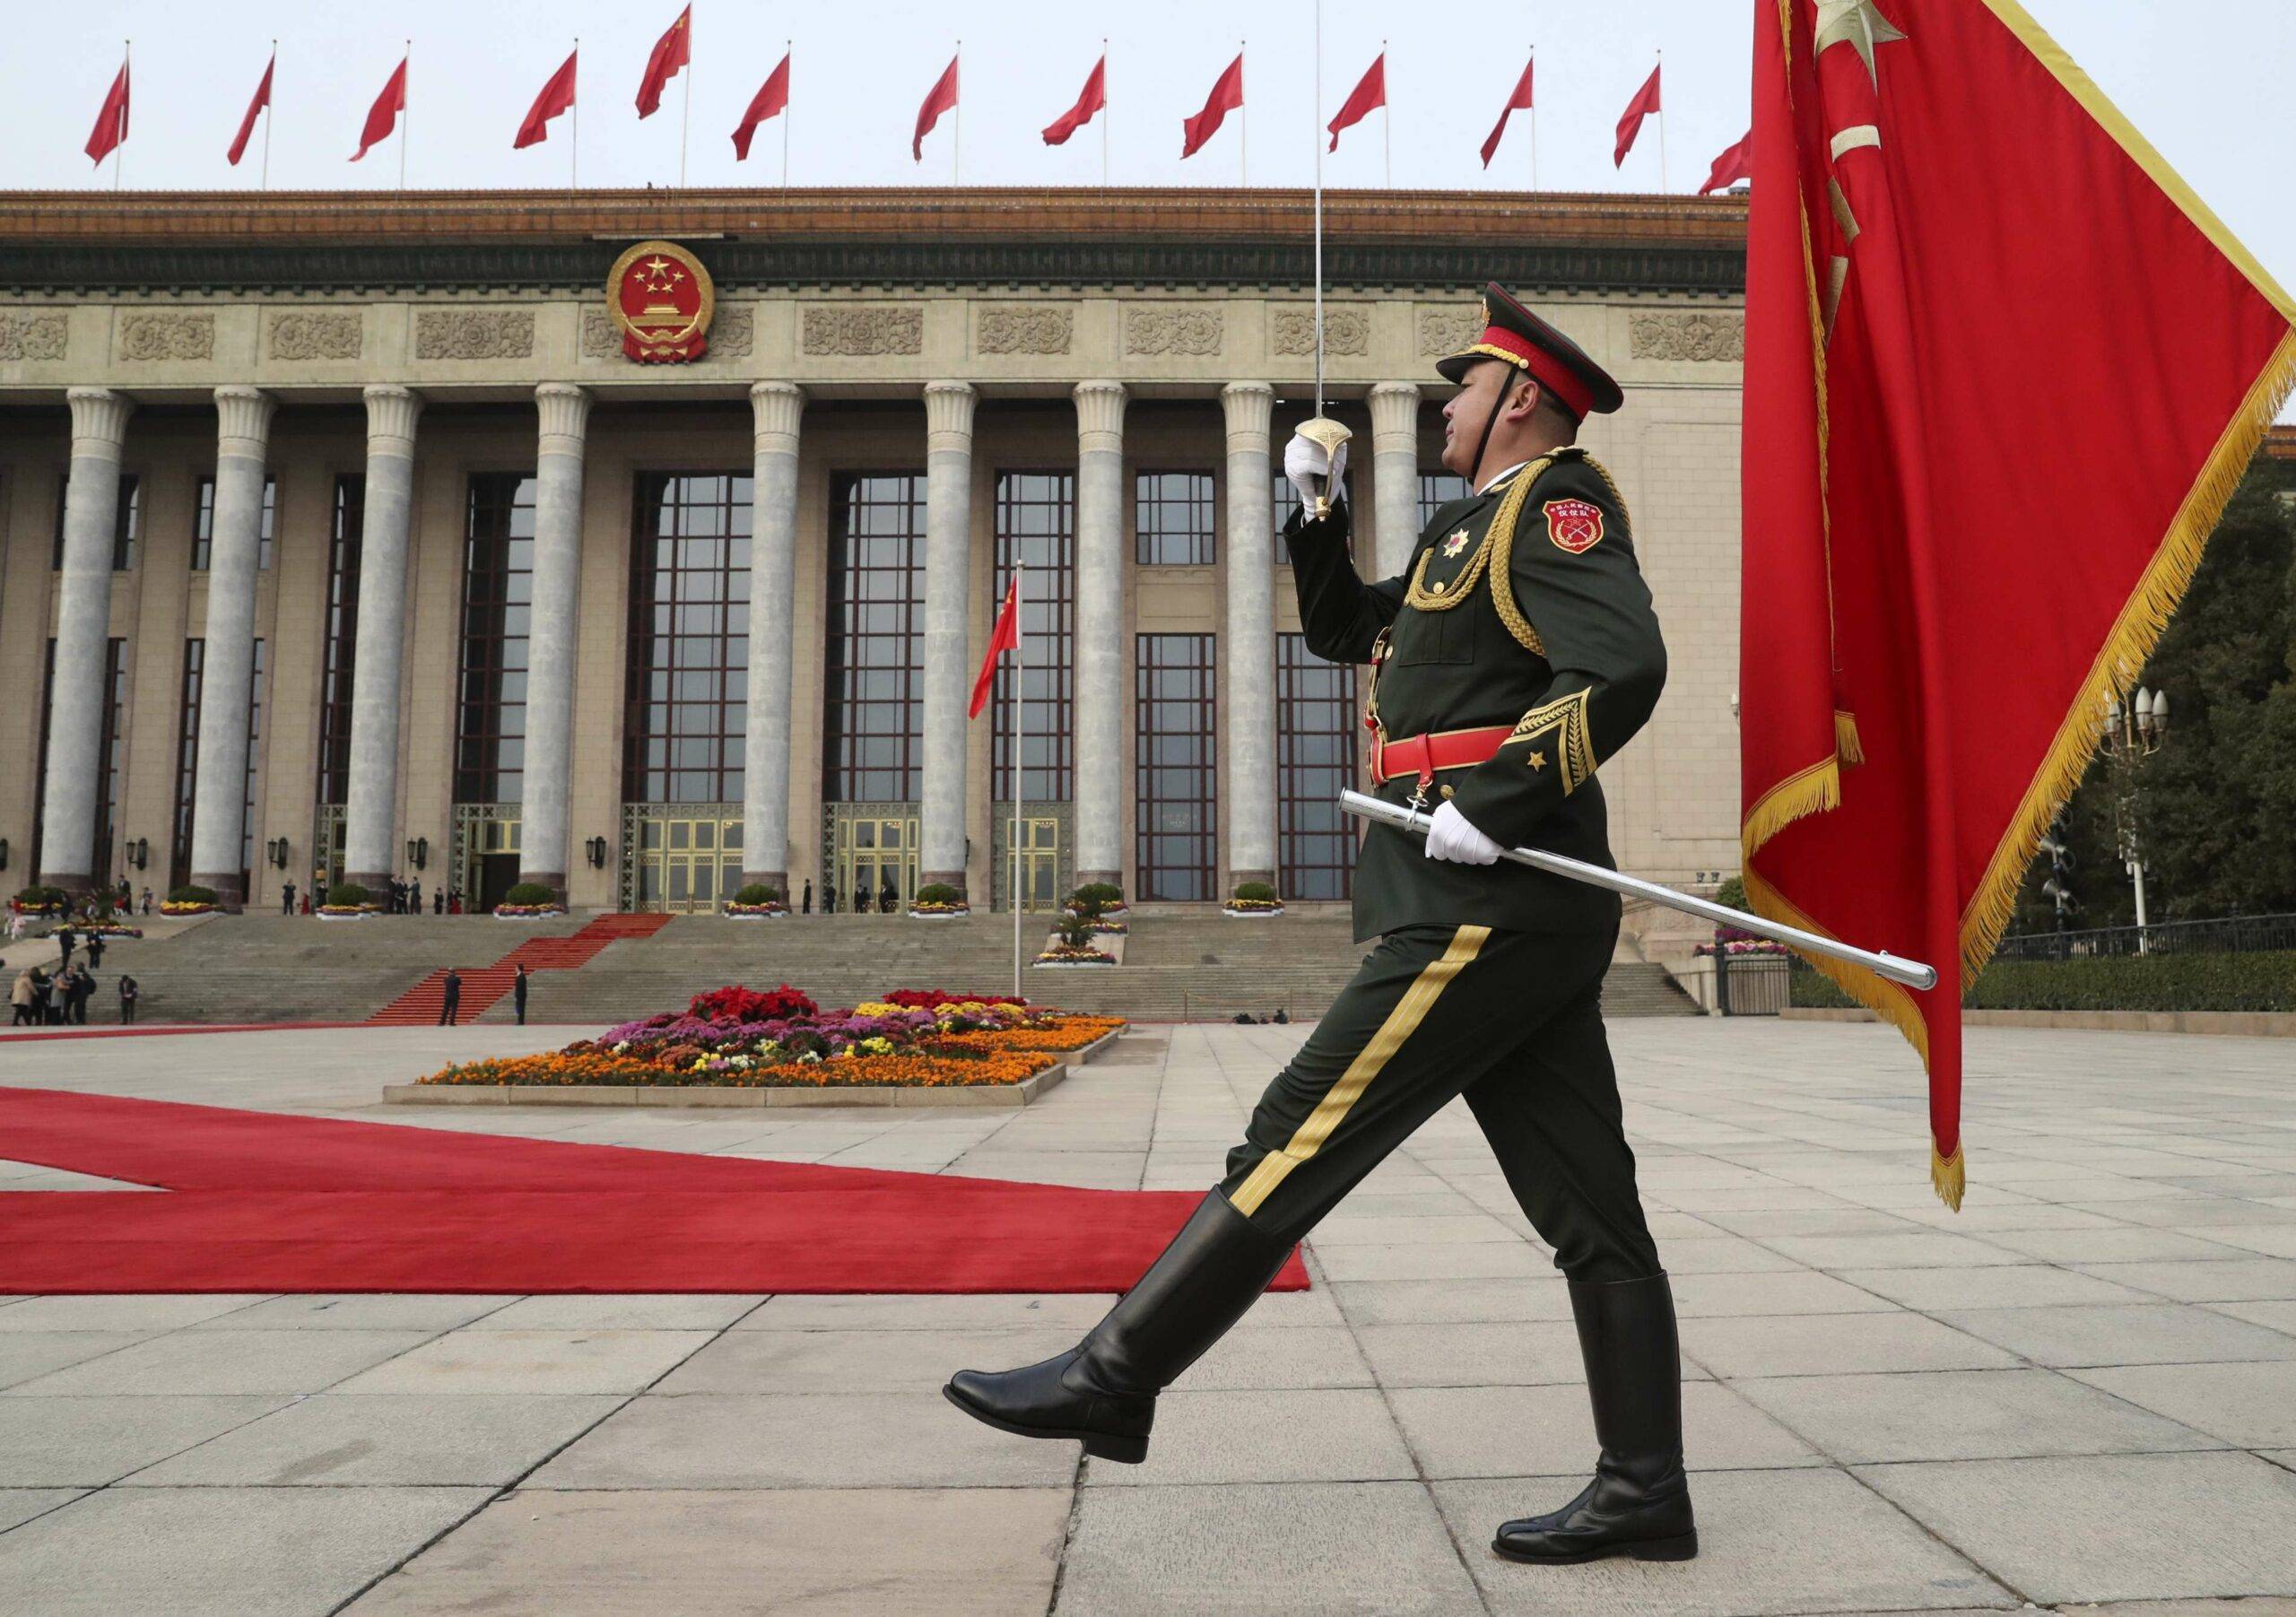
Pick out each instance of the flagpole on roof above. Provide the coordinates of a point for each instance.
(405, 108)
(788, 49)
(1386, 120)
(574, 124)
(1104, 122)
(270, 112)
(119, 142)
(1535, 120)
(957, 114)
(1243, 127)
(1662, 120)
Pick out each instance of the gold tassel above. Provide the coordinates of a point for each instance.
(1948, 1176)
(1845, 744)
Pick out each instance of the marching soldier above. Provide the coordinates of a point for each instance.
(1517, 652)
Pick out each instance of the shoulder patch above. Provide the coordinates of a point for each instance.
(1575, 525)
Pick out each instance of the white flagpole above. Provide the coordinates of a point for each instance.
(574, 124)
(1104, 112)
(788, 49)
(1534, 118)
(1318, 135)
(957, 114)
(686, 114)
(1659, 72)
(270, 111)
(406, 112)
(1020, 679)
(119, 142)
(1386, 121)
(1243, 130)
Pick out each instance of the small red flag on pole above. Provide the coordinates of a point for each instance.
(255, 110)
(1006, 638)
(557, 96)
(111, 124)
(383, 116)
(1735, 164)
(1094, 99)
(1370, 93)
(1227, 96)
(942, 98)
(1629, 124)
(1518, 100)
(772, 99)
(671, 52)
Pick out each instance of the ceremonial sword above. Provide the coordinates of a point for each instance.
(1320, 429)
(1913, 974)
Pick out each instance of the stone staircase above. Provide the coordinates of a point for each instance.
(483, 986)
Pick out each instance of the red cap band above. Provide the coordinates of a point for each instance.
(1545, 369)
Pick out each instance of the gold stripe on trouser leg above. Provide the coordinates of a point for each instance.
(1410, 1011)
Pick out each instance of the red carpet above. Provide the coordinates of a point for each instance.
(420, 1005)
(261, 1202)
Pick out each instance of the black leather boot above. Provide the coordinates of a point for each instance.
(1103, 1390)
(1638, 1503)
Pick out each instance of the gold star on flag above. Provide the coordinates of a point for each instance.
(1857, 23)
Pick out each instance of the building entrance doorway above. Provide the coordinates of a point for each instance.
(686, 863)
(1039, 877)
(483, 866)
(870, 853)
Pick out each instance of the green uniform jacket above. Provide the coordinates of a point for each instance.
(1569, 655)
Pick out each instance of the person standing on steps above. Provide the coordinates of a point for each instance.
(287, 898)
(65, 938)
(518, 993)
(1517, 652)
(129, 992)
(451, 999)
(96, 951)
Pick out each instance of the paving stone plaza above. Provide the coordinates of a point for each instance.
(2079, 1391)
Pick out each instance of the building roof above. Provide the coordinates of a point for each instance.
(78, 241)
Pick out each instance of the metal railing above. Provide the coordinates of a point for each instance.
(2234, 935)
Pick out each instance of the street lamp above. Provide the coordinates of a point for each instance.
(418, 851)
(596, 848)
(278, 850)
(2133, 732)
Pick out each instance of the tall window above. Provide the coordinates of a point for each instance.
(341, 638)
(498, 601)
(1315, 727)
(872, 728)
(202, 531)
(126, 527)
(1437, 489)
(687, 699)
(1173, 682)
(1036, 521)
(108, 781)
(1172, 517)
(1283, 500)
(195, 664)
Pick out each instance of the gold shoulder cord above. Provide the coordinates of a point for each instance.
(1502, 554)
(1496, 538)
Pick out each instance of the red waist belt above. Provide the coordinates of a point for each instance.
(1421, 755)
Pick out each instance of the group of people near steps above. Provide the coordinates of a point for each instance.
(450, 1002)
(59, 997)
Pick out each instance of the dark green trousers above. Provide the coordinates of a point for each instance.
(1511, 1020)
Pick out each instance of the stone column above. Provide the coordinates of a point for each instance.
(1248, 781)
(227, 676)
(370, 811)
(1394, 470)
(548, 775)
(76, 694)
(775, 409)
(948, 667)
(1100, 659)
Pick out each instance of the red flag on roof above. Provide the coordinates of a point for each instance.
(1950, 214)
(1227, 95)
(255, 110)
(1094, 99)
(1630, 123)
(1735, 163)
(672, 52)
(112, 123)
(1519, 100)
(772, 99)
(557, 95)
(942, 98)
(1370, 91)
(383, 116)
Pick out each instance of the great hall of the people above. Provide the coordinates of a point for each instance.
(342, 534)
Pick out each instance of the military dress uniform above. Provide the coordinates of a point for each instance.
(1517, 650)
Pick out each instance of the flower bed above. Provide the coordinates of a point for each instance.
(571, 1066)
(931, 912)
(1067, 954)
(735, 911)
(933, 999)
(109, 929)
(347, 912)
(527, 912)
(1252, 906)
(169, 907)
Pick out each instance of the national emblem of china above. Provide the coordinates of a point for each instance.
(661, 300)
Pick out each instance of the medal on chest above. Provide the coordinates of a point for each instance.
(1454, 544)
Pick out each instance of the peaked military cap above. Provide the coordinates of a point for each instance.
(1514, 333)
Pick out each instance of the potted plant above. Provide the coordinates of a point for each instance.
(190, 900)
(527, 900)
(756, 902)
(346, 901)
(938, 901)
(37, 897)
(1252, 901)
(1073, 943)
(1107, 895)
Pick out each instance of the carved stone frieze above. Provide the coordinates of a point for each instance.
(1345, 330)
(473, 334)
(600, 340)
(316, 335)
(145, 335)
(1443, 331)
(1176, 328)
(733, 333)
(861, 330)
(33, 334)
(1685, 335)
(1026, 328)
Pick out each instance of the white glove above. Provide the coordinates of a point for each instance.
(1451, 836)
(1306, 466)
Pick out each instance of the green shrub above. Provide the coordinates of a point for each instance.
(34, 896)
(341, 892)
(1102, 895)
(1733, 892)
(1258, 891)
(529, 892)
(1808, 990)
(197, 895)
(939, 892)
(2263, 981)
(758, 892)
(1075, 927)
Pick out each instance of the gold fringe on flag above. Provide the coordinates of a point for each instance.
(1947, 1176)
(1845, 744)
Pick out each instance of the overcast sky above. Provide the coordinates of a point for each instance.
(2207, 81)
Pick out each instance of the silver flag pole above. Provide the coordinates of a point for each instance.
(1913, 974)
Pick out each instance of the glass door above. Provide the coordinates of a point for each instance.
(873, 863)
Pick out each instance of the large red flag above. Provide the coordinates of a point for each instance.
(112, 123)
(1370, 91)
(1735, 163)
(772, 99)
(1630, 123)
(671, 52)
(1519, 100)
(557, 95)
(942, 98)
(255, 110)
(1934, 616)
(384, 113)
(1227, 95)
(1095, 98)
(1006, 638)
